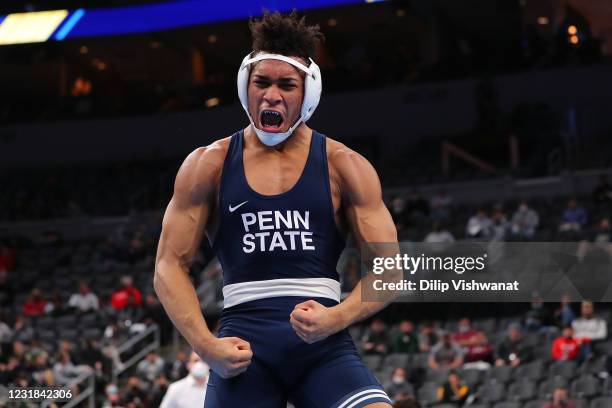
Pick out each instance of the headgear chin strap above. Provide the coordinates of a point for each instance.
(312, 93)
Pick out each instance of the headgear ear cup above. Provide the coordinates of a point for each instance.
(312, 93)
(313, 86)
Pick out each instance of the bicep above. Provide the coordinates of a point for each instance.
(186, 215)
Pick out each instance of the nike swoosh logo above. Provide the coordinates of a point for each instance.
(232, 209)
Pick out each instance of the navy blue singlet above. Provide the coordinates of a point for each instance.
(275, 252)
(277, 245)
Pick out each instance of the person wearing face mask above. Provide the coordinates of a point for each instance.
(190, 391)
(399, 384)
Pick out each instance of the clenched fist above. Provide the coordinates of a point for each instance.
(313, 322)
(228, 356)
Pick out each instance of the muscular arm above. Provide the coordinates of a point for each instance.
(369, 222)
(183, 224)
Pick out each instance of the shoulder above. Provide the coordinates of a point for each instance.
(345, 159)
(352, 172)
(201, 170)
(209, 157)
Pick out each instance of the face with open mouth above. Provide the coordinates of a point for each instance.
(276, 92)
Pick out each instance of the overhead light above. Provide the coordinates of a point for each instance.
(21, 28)
(211, 102)
(543, 20)
(572, 30)
(574, 39)
(332, 22)
(83, 49)
(212, 38)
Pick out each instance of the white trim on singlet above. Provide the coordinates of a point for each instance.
(237, 293)
(372, 393)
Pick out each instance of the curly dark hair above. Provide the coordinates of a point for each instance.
(285, 34)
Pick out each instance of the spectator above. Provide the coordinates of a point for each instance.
(41, 372)
(538, 317)
(441, 205)
(560, 399)
(21, 328)
(427, 337)
(84, 301)
(513, 350)
(34, 305)
(603, 233)
(603, 191)
(453, 390)
(565, 314)
(499, 224)
(191, 390)
(588, 328)
(10, 371)
(479, 225)
(65, 371)
(136, 392)
(127, 296)
(566, 347)
(574, 217)
(151, 367)
(177, 368)
(92, 355)
(439, 235)
(445, 355)
(376, 338)
(56, 306)
(474, 343)
(399, 384)
(406, 340)
(524, 222)
(111, 392)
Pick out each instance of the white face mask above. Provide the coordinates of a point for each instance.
(199, 370)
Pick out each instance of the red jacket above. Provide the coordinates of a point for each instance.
(565, 349)
(126, 296)
(34, 307)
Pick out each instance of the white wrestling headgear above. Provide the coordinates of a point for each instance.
(312, 93)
